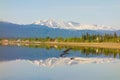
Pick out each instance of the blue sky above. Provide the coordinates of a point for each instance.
(106, 12)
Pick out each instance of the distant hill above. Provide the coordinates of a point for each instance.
(10, 30)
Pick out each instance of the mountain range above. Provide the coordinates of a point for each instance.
(51, 28)
(52, 23)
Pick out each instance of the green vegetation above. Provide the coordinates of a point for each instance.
(84, 38)
(88, 50)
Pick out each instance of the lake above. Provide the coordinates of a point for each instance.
(41, 62)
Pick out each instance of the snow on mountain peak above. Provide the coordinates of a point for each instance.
(52, 23)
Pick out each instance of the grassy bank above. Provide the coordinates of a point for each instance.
(77, 44)
(82, 44)
(86, 40)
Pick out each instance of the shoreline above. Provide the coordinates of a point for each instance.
(82, 44)
(76, 44)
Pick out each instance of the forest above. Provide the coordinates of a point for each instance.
(84, 38)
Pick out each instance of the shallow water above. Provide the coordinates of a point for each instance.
(31, 63)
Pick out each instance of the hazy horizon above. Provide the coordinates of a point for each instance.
(83, 11)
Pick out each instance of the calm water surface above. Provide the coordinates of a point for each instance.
(50, 63)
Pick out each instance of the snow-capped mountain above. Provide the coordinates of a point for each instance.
(51, 28)
(52, 23)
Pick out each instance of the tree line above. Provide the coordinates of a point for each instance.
(84, 38)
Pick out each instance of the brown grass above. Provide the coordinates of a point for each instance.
(99, 45)
(77, 44)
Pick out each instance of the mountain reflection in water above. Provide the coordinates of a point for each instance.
(54, 55)
(52, 62)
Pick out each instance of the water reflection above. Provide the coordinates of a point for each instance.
(84, 50)
(19, 63)
(65, 52)
(52, 62)
(51, 55)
